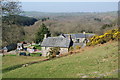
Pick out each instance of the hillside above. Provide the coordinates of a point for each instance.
(13, 28)
(90, 62)
(11, 34)
(52, 14)
(73, 22)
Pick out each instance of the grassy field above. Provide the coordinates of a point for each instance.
(9, 62)
(98, 61)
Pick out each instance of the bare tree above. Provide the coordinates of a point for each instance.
(10, 31)
(10, 7)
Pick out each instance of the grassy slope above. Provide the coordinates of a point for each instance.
(93, 62)
(9, 61)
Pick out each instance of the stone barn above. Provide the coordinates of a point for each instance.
(61, 42)
(64, 42)
(10, 47)
(79, 39)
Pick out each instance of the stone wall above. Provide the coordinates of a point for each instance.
(45, 50)
(63, 50)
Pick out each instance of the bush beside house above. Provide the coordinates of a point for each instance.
(113, 34)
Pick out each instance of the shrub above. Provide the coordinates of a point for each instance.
(109, 35)
(71, 48)
(35, 54)
(54, 51)
(78, 47)
(94, 40)
(37, 47)
(116, 36)
(22, 54)
(88, 44)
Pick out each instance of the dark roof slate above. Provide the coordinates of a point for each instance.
(79, 35)
(56, 42)
(77, 44)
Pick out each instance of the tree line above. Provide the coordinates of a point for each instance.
(18, 20)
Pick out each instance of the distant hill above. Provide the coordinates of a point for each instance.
(52, 14)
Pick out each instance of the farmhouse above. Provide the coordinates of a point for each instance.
(78, 38)
(10, 47)
(20, 46)
(64, 42)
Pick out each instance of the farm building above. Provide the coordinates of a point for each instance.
(61, 42)
(10, 47)
(20, 46)
(78, 38)
(64, 42)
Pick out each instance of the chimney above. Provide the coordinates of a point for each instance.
(45, 36)
(83, 32)
(69, 36)
(63, 35)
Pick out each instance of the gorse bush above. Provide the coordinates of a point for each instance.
(78, 47)
(116, 36)
(109, 35)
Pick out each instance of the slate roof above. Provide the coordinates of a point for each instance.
(79, 35)
(10, 47)
(78, 44)
(56, 42)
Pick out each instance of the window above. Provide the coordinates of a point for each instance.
(77, 41)
(45, 48)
